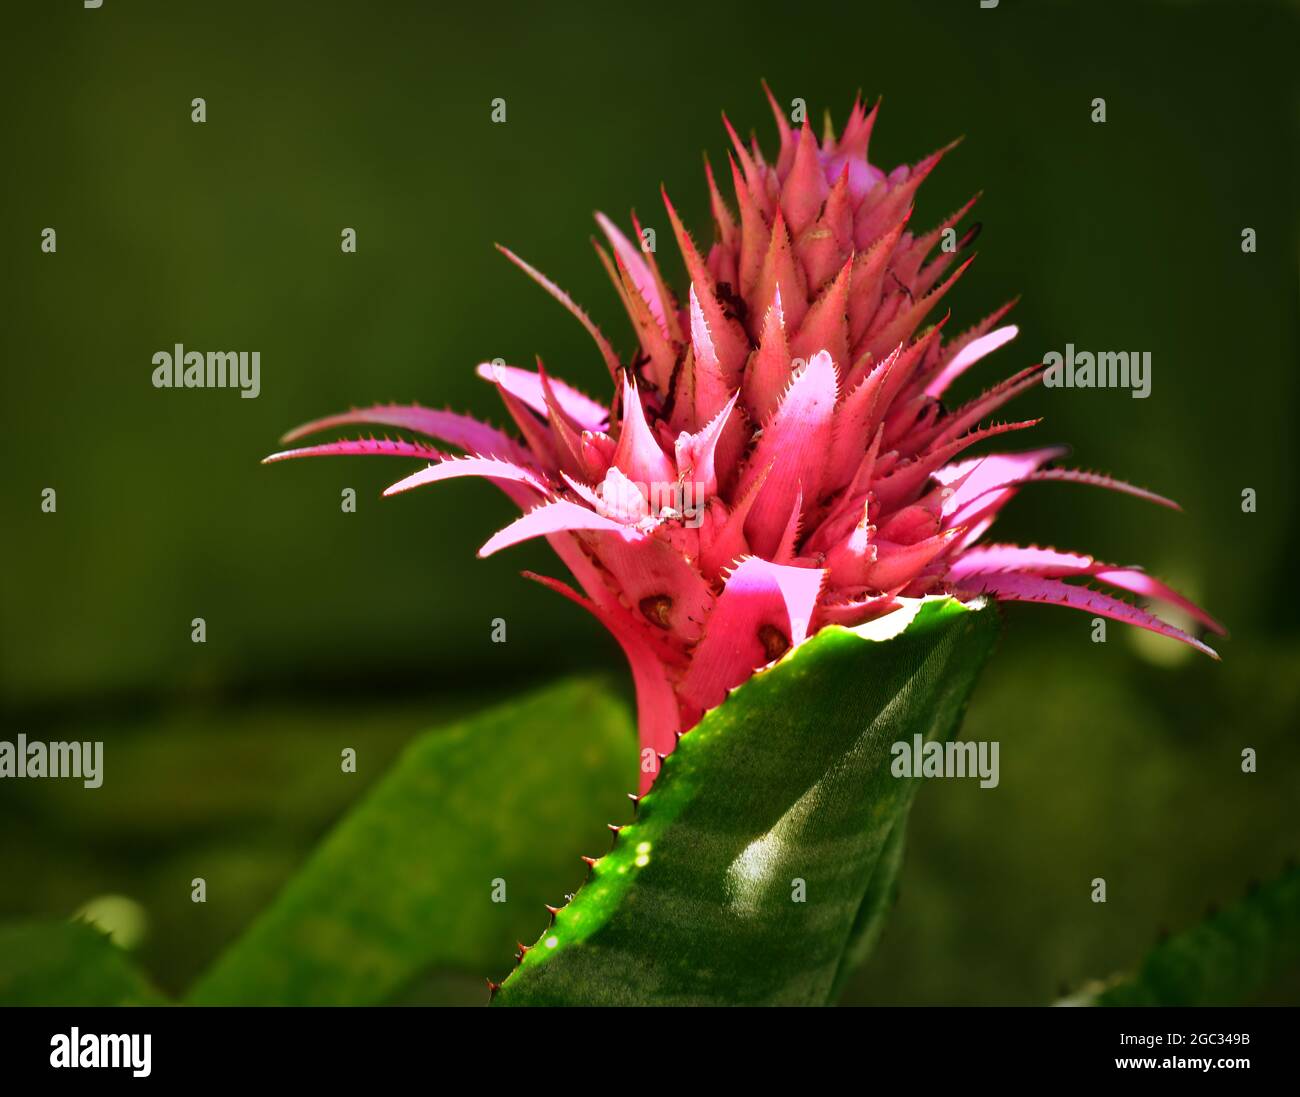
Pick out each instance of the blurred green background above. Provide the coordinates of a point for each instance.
(1118, 760)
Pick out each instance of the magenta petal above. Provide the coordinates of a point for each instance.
(360, 447)
(1041, 561)
(893, 488)
(794, 444)
(560, 516)
(713, 384)
(637, 268)
(1099, 480)
(606, 351)
(805, 187)
(968, 356)
(726, 334)
(826, 325)
(987, 488)
(853, 425)
(461, 431)
(897, 565)
(658, 714)
(1136, 581)
(986, 403)
(657, 583)
(763, 610)
(850, 613)
(639, 456)
(977, 331)
(695, 453)
(785, 549)
(977, 476)
(1012, 587)
(527, 386)
(726, 542)
(1051, 563)
(852, 553)
(768, 371)
(583, 490)
(488, 467)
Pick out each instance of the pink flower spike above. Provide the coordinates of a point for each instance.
(777, 455)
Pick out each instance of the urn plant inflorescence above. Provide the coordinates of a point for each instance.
(777, 455)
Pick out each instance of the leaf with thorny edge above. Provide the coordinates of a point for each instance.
(760, 865)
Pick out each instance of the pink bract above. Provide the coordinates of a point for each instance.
(776, 457)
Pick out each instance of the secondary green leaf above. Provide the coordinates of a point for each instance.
(1219, 961)
(67, 964)
(406, 882)
(760, 864)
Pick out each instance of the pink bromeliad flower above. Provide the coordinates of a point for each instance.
(777, 456)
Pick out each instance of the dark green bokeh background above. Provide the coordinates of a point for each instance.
(1118, 760)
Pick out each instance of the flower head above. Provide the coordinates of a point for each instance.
(777, 455)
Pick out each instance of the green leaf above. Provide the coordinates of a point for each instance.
(404, 883)
(67, 964)
(788, 780)
(1220, 961)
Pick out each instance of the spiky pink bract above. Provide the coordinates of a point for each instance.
(776, 457)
